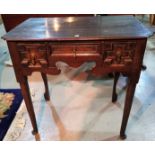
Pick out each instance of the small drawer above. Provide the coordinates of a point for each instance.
(88, 52)
(62, 52)
(33, 54)
(62, 48)
(118, 52)
(59, 48)
(87, 47)
(75, 52)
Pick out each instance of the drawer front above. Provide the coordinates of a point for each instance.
(107, 53)
(118, 52)
(33, 55)
(62, 52)
(74, 53)
(88, 52)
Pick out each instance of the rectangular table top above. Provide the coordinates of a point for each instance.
(78, 28)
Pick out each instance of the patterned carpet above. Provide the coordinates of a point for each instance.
(10, 101)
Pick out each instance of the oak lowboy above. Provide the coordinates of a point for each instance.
(115, 43)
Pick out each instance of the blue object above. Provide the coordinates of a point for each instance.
(6, 122)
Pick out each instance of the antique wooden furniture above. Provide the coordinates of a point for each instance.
(115, 43)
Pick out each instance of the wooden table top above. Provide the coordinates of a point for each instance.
(78, 28)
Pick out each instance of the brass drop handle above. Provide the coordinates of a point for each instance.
(108, 61)
(33, 58)
(118, 56)
(25, 62)
(74, 49)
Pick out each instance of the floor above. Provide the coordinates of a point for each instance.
(80, 106)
